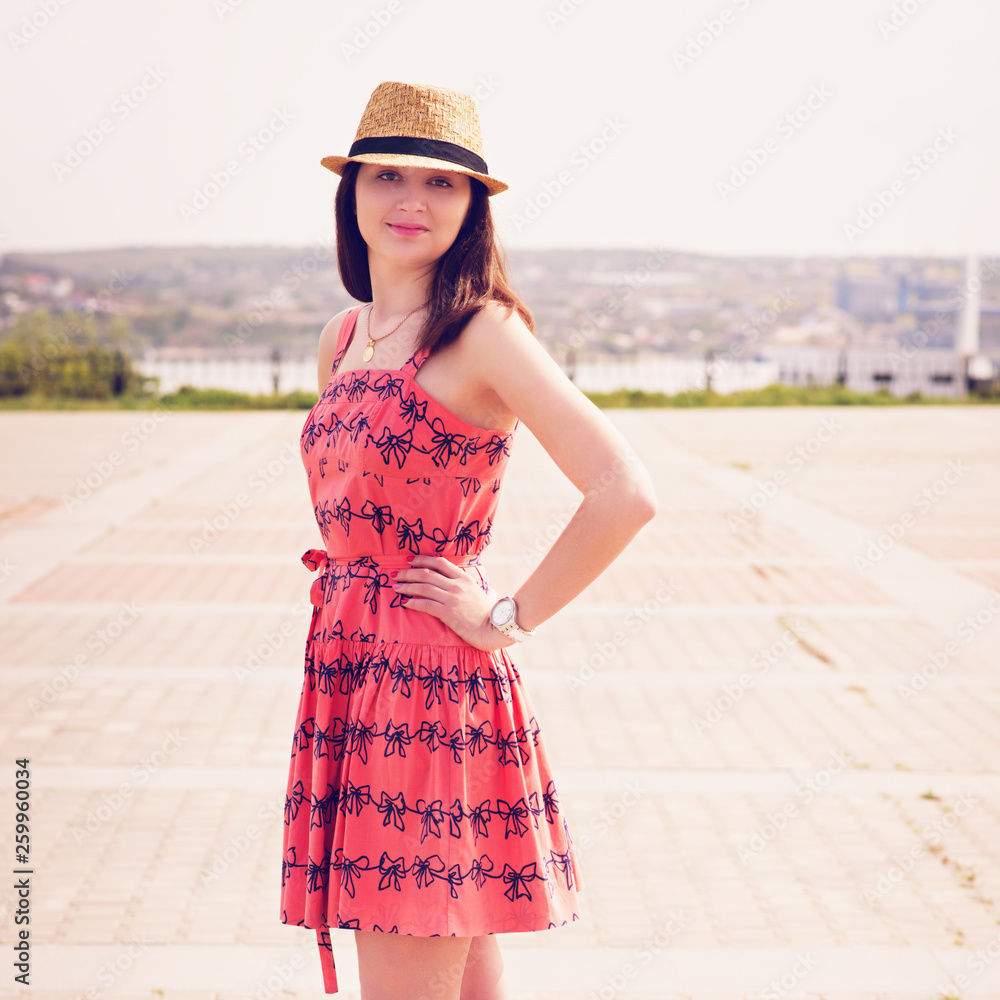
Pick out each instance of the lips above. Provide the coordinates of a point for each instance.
(407, 228)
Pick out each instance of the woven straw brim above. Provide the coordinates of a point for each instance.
(336, 164)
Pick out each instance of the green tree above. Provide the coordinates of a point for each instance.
(68, 355)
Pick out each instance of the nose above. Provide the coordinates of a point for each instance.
(412, 195)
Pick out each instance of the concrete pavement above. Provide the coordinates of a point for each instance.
(774, 722)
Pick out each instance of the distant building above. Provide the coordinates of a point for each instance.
(867, 297)
(901, 371)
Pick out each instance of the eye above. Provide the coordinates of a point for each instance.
(445, 182)
(386, 173)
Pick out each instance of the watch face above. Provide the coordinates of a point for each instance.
(502, 612)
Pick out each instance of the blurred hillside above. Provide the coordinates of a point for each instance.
(588, 304)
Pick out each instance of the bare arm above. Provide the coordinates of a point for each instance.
(618, 496)
(508, 364)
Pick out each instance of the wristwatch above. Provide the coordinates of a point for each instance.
(502, 617)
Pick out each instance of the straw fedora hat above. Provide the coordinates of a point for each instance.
(412, 125)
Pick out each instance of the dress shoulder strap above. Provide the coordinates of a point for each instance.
(346, 329)
(414, 361)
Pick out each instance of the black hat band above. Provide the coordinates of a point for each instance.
(435, 149)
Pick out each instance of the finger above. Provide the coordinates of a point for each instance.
(435, 608)
(424, 575)
(427, 590)
(443, 566)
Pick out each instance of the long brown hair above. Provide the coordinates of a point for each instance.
(471, 272)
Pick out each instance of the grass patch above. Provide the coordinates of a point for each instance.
(776, 394)
(189, 398)
(185, 398)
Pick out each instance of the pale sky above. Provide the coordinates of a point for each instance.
(595, 95)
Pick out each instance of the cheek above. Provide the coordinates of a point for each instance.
(459, 213)
(369, 213)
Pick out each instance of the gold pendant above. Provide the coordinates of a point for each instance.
(369, 351)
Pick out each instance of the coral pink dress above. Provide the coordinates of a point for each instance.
(420, 799)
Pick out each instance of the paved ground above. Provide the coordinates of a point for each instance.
(775, 722)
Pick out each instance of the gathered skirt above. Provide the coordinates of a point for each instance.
(419, 799)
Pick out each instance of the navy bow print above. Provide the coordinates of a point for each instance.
(431, 818)
(394, 808)
(349, 870)
(515, 815)
(425, 870)
(444, 444)
(518, 880)
(396, 445)
(392, 871)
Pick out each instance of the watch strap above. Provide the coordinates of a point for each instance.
(516, 632)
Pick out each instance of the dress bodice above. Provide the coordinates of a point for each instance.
(392, 471)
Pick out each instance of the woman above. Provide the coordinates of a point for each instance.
(420, 809)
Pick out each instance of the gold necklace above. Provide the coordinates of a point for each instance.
(370, 346)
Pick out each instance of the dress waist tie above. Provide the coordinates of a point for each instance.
(316, 559)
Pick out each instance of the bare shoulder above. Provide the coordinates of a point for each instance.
(510, 361)
(499, 349)
(496, 335)
(327, 351)
(329, 333)
(494, 324)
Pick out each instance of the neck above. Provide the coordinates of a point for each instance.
(396, 291)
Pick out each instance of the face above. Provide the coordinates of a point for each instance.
(410, 213)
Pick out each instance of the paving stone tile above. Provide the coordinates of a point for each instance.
(672, 792)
